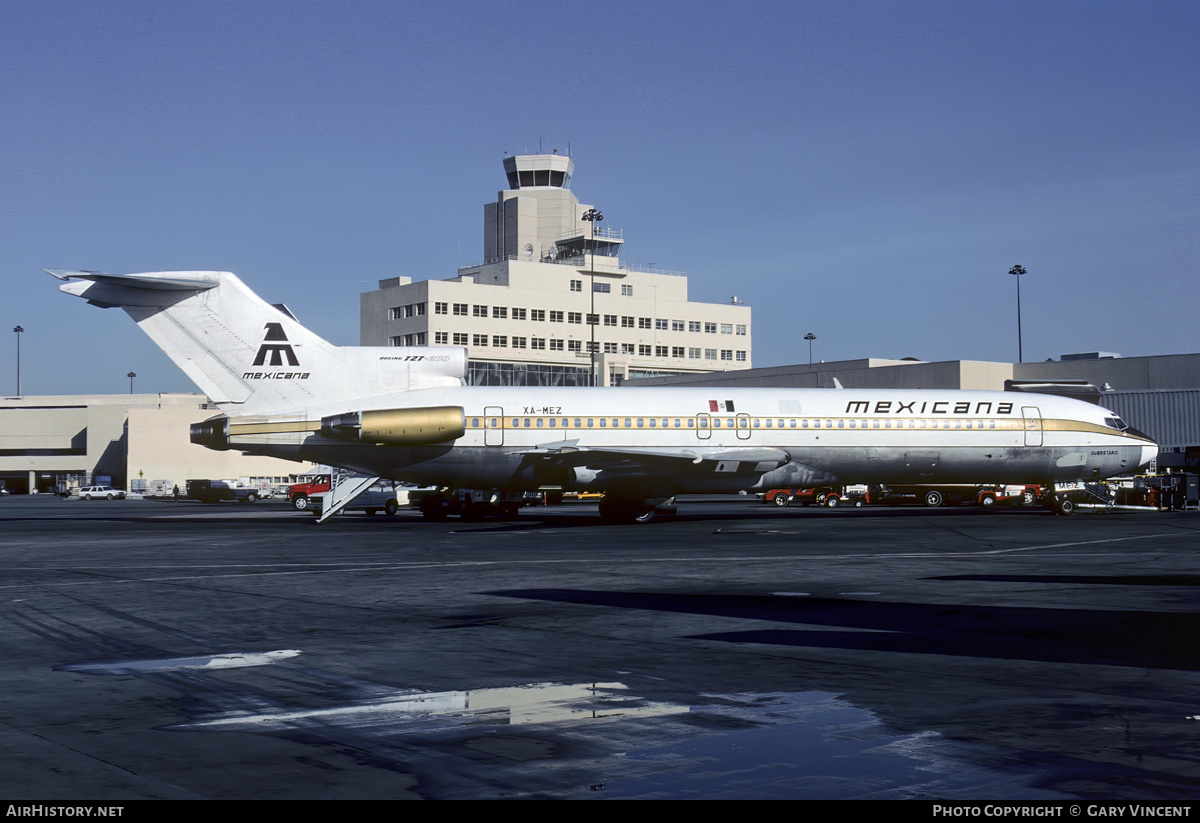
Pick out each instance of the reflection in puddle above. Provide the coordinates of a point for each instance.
(814, 746)
(513, 706)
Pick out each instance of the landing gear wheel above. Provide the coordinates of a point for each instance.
(300, 503)
(781, 500)
(643, 514)
(933, 499)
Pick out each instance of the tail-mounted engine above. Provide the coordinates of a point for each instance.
(397, 427)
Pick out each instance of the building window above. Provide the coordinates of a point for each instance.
(661, 351)
(676, 325)
(610, 348)
(556, 345)
(500, 340)
(556, 317)
(441, 338)
(576, 285)
(660, 324)
(479, 311)
(538, 315)
(627, 291)
(398, 340)
(710, 328)
(710, 354)
(677, 351)
(644, 323)
(460, 339)
(726, 354)
(741, 356)
(693, 353)
(460, 309)
(593, 319)
(479, 339)
(626, 348)
(726, 328)
(396, 312)
(643, 350)
(574, 317)
(603, 288)
(573, 345)
(626, 322)
(693, 325)
(518, 342)
(500, 312)
(610, 320)
(593, 346)
(440, 308)
(518, 314)
(419, 339)
(537, 343)
(741, 330)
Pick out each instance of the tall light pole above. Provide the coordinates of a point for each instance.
(18, 330)
(593, 216)
(1018, 270)
(810, 337)
(131, 375)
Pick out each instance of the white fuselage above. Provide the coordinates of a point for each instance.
(512, 436)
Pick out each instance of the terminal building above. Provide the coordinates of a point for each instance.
(129, 441)
(552, 303)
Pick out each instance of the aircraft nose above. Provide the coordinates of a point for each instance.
(1149, 453)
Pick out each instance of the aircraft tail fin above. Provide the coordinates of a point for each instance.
(249, 355)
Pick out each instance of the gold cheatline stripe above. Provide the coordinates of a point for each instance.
(295, 426)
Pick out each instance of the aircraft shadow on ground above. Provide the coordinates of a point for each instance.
(1143, 639)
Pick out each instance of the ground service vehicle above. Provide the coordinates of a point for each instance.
(215, 491)
(830, 496)
(407, 414)
(470, 504)
(298, 493)
(380, 497)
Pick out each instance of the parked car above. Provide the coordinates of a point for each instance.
(101, 492)
(382, 496)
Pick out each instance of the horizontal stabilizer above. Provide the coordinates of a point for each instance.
(159, 280)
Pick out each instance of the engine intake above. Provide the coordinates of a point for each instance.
(397, 427)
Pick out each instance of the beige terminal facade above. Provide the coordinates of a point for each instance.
(552, 303)
(118, 440)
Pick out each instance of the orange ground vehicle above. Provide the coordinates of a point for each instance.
(830, 496)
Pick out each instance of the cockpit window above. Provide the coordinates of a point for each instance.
(1116, 422)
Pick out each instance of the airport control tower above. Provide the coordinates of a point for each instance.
(538, 218)
(552, 303)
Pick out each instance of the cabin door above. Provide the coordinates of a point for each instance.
(493, 426)
(743, 427)
(1033, 425)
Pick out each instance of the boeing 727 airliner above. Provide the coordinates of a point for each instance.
(404, 414)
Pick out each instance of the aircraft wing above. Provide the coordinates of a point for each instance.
(564, 454)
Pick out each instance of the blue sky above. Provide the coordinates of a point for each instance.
(867, 171)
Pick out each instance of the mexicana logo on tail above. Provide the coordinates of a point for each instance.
(276, 350)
